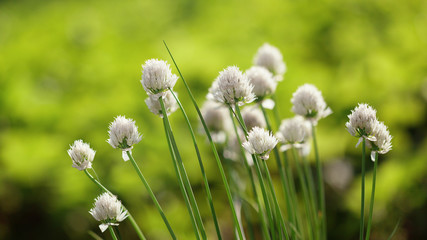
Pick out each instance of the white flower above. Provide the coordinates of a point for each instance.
(362, 122)
(270, 57)
(217, 120)
(308, 102)
(230, 87)
(108, 210)
(294, 132)
(260, 141)
(81, 154)
(262, 80)
(253, 117)
(168, 99)
(123, 134)
(382, 144)
(157, 76)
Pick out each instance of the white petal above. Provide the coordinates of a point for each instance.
(103, 227)
(373, 153)
(372, 138)
(360, 141)
(268, 104)
(125, 156)
(286, 147)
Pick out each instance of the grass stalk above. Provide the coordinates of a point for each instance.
(113, 235)
(214, 150)
(312, 195)
(371, 207)
(362, 202)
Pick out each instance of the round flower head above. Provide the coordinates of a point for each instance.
(308, 102)
(217, 120)
(81, 154)
(232, 86)
(168, 99)
(382, 144)
(157, 76)
(293, 132)
(108, 210)
(260, 141)
(262, 80)
(253, 117)
(362, 122)
(270, 57)
(123, 134)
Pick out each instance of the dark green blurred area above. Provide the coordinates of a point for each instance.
(67, 68)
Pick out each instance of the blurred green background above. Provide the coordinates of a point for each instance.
(67, 68)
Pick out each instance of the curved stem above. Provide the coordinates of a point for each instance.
(113, 235)
(371, 207)
(202, 169)
(320, 184)
(362, 204)
(214, 150)
(130, 217)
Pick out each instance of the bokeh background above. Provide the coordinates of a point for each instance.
(67, 68)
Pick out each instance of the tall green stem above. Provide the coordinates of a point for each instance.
(150, 192)
(371, 207)
(214, 150)
(320, 184)
(130, 217)
(202, 169)
(362, 204)
(113, 235)
(312, 195)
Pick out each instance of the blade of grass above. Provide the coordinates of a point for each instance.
(371, 207)
(113, 235)
(394, 230)
(362, 204)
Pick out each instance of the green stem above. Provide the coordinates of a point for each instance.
(283, 178)
(275, 110)
(130, 217)
(178, 171)
(113, 235)
(150, 192)
(371, 207)
(251, 177)
(214, 150)
(119, 236)
(202, 169)
(362, 204)
(320, 184)
(312, 195)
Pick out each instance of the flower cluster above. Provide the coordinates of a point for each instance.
(123, 134)
(157, 80)
(260, 142)
(363, 124)
(294, 132)
(270, 57)
(262, 80)
(108, 210)
(81, 154)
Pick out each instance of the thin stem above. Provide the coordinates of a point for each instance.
(275, 110)
(251, 177)
(312, 195)
(113, 235)
(202, 169)
(150, 192)
(130, 217)
(119, 236)
(320, 184)
(178, 175)
(371, 207)
(362, 204)
(214, 150)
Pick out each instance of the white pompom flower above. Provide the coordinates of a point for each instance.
(168, 99)
(308, 102)
(294, 132)
(217, 120)
(231, 87)
(270, 57)
(253, 117)
(382, 143)
(362, 122)
(123, 134)
(262, 80)
(108, 210)
(157, 76)
(81, 154)
(261, 142)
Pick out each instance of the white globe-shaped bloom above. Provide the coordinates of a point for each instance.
(217, 120)
(362, 122)
(253, 117)
(123, 133)
(294, 132)
(262, 80)
(270, 57)
(308, 102)
(81, 154)
(108, 210)
(168, 99)
(230, 87)
(157, 76)
(382, 144)
(261, 142)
